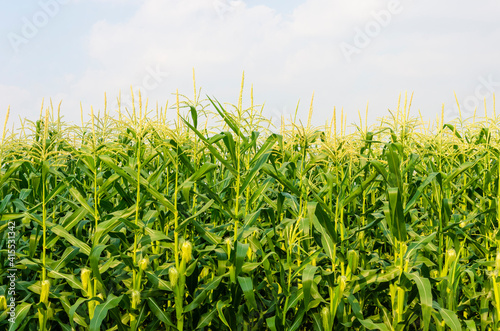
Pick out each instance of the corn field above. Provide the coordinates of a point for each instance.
(214, 220)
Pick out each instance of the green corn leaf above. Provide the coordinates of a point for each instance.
(317, 322)
(259, 159)
(220, 309)
(451, 319)
(10, 217)
(61, 232)
(106, 226)
(107, 184)
(296, 297)
(159, 313)
(367, 323)
(394, 178)
(58, 189)
(130, 178)
(453, 129)
(374, 276)
(207, 235)
(4, 202)
(201, 172)
(68, 255)
(230, 146)
(425, 291)
(194, 115)
(227, 118)
(212, 149)
(70, 279)
(6, 176)
(22, 311)
(271, 171)
(307, 281)
(179, 153)
(101, 311)
(271, 323)
(202, 210)
(141, 316)
(255, 169)
(359, 190)
(471, 325)
(241, 252)
(246, 285)
(77, 195)
(420, 190)
(206, 318)
(415, 246)
(94, 262)
(328, 246)
(74, 317)
(457, 171)
(198, 300)
(380, 168)
(398, 224)
(158, 282)
(297, 321)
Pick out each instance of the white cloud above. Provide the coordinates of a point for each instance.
(15, 96)
(432, 48)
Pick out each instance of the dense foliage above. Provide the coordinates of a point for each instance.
(133, 223)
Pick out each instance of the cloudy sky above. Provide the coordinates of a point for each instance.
(348, 53)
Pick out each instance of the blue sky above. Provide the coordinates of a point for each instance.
(347, 52)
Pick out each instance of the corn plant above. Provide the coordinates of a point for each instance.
(201, 216)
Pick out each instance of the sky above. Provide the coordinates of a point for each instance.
(350, 54)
